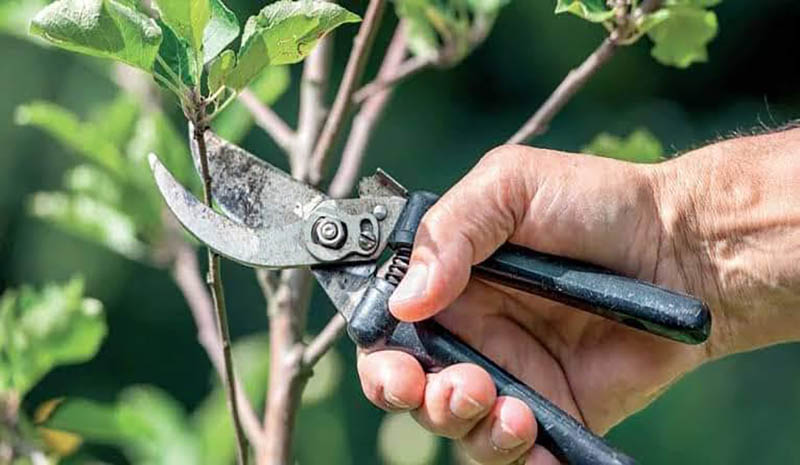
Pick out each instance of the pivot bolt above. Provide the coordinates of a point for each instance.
(329, 233)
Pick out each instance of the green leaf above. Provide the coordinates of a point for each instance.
(641, 146)
(94, 183)
(595, 11)
(117, 120)
(680, 35)
(103, 28)
(234, 123)
(219, 69)
(422, 37)
(179, 56)
(222, 29)
(284, 32)
(90, 219)
(44, 329)
(444, 30)
(86, 418)
(84, 138)
(149, 425)
(188, 18)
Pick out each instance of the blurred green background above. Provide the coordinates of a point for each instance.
(741, 410)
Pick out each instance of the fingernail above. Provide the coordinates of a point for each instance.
(503, 439)
(463, 406)
(413, 285)
(394, 401)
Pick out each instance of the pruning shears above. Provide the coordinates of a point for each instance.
(273, 221)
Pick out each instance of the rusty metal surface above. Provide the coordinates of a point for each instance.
(269, 216)
(252, 191)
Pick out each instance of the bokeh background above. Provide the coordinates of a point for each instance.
(741, 410)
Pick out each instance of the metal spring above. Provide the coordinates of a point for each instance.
(397, 270)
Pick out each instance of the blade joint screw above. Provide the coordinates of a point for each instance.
(329, 233)
(367, 241)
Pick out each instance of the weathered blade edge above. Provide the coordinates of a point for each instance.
(267, 248)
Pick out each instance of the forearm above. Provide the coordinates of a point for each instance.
(731, 222)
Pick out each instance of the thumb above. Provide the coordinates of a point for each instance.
(463, 228)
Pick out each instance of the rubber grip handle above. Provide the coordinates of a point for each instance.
(374, 328)
(566, 438)
(629, 301)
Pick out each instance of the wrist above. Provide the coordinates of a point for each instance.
(731, 229)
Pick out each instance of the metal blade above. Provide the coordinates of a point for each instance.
(250, 190)
(285, 245)
(345, 284)
(268, 248)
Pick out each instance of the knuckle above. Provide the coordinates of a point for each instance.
(501, 155)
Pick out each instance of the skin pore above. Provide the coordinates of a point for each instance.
(721, 222)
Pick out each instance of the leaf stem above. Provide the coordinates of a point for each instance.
(174, 77)
(221, 108)
(171, 87)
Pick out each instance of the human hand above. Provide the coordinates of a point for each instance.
(630, 218)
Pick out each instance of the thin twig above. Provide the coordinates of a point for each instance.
(214, 280)
(313, 109)
(578, 77)
(323, 341)
(187, 276)
(367, 118)
(362, 44)
(574, 81)
(405, 70)
(268, 120)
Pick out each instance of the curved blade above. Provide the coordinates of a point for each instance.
(268, 247)
(252, 191)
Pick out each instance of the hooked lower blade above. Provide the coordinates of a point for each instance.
(268, 248)
(250, 190)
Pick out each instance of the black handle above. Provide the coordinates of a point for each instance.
(558, 432)
(629, 301)
(373, 328)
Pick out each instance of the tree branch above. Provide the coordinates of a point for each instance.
(324, 340)
(578, 77)
(287, 311)
(572, 83)
(214, 280)
(362, 44)
(313, 109)
(405, 70)
(268, 120)
(186, 273)
(365, 121)
(287, 294)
